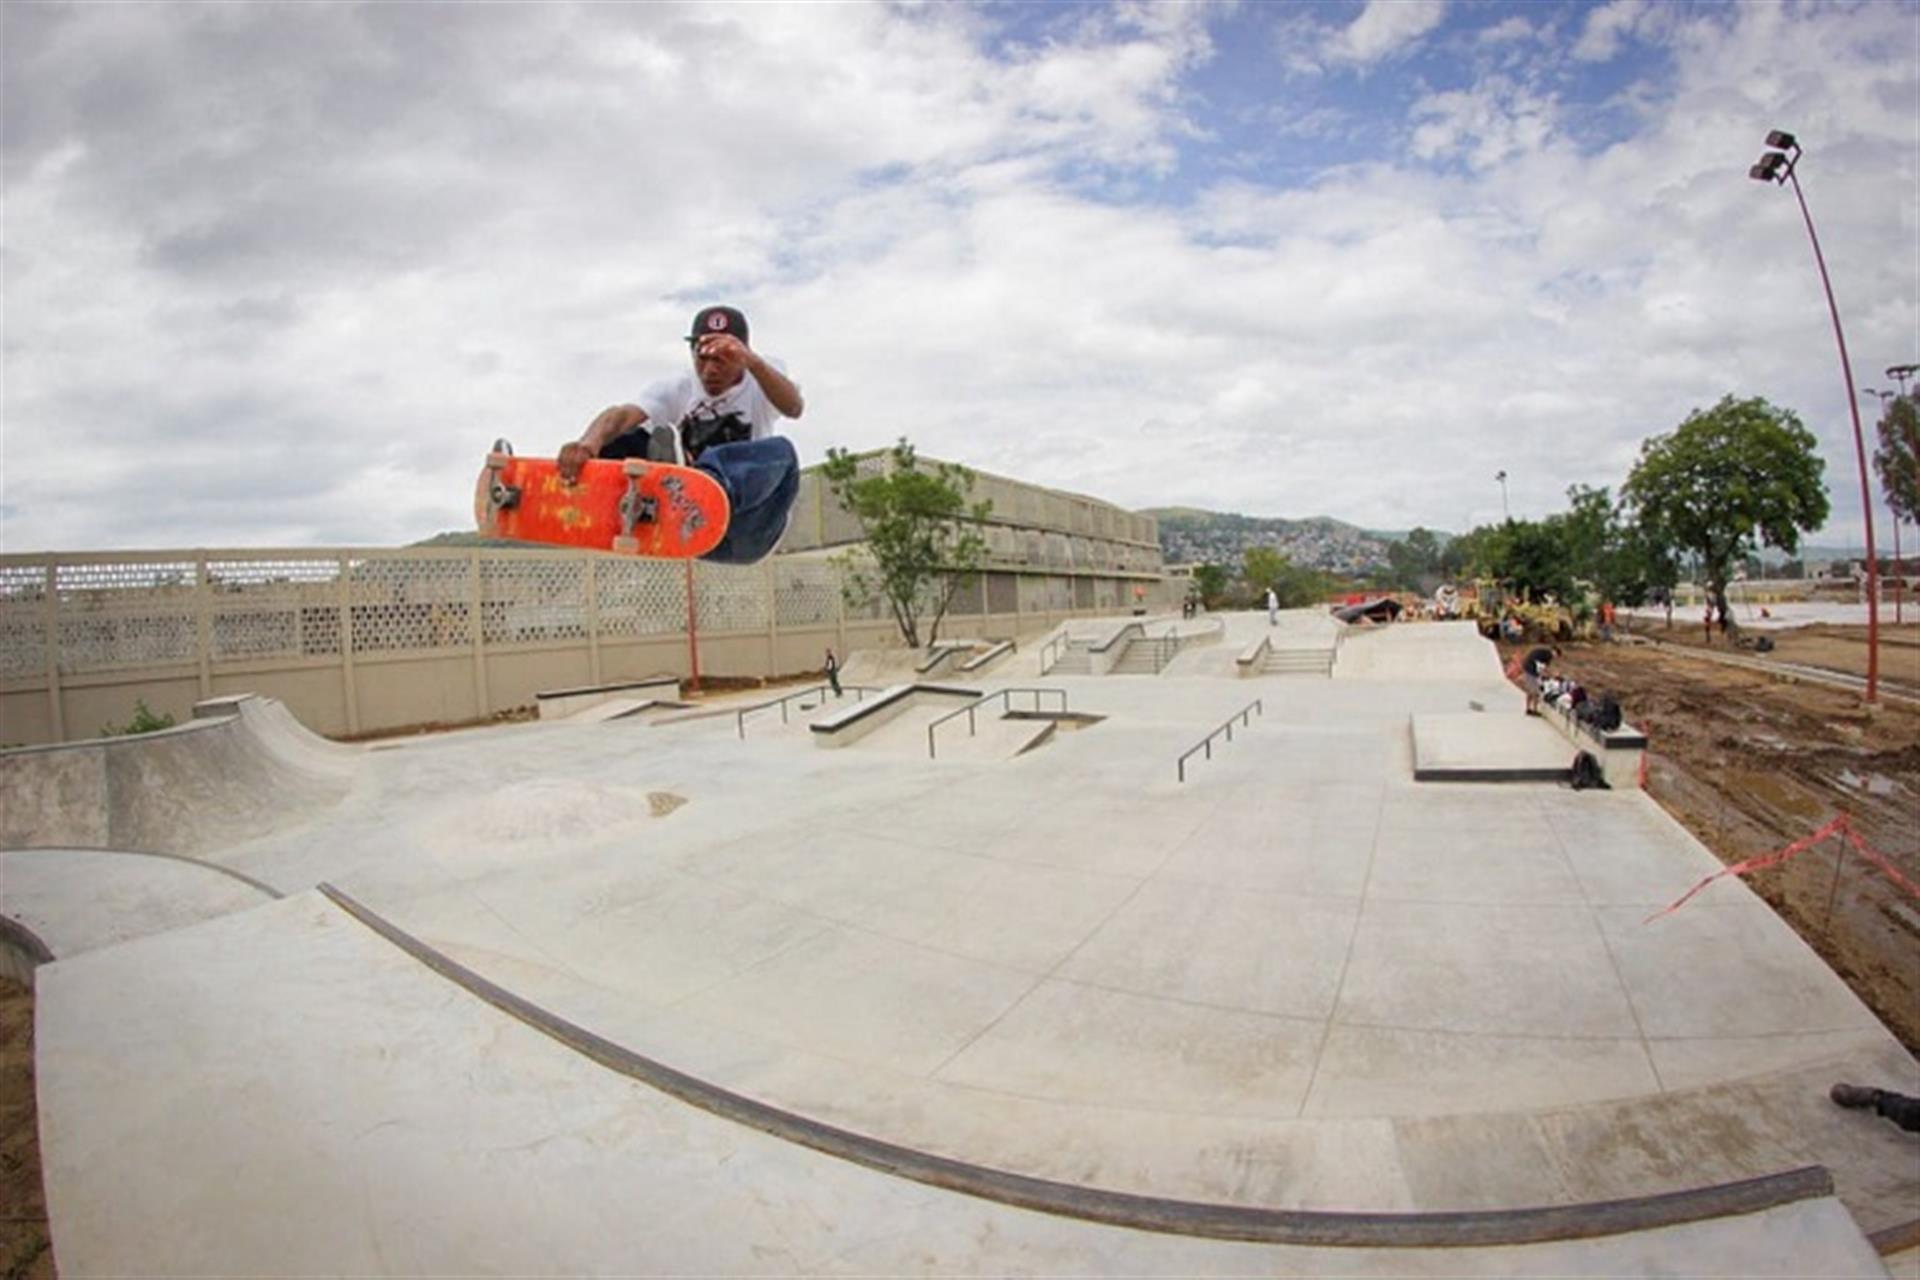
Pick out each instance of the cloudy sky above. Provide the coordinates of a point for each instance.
(277, 274)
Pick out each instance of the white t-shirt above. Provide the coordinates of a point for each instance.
(741, 412)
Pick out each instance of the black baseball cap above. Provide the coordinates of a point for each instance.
(712, 320)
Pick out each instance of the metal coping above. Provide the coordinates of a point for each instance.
(22, 938)
(651, 682)
(1124, 1209)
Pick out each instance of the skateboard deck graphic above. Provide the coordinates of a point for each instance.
(630, 506)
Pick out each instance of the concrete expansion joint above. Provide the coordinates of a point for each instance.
(1473, 1228)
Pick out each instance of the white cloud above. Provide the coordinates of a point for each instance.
(1487, 125)
(264, 262)
(1383, 29)
(1607, 28)
(1509, 30)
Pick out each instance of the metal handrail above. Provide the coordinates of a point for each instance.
(1139, 630)
(860, 692)
(1243, 715)
(1055, 646)
(971, 707)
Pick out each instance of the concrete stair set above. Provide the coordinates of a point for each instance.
(1301, 662)
(1076, 659)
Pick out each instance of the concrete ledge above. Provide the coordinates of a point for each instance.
(992, 654)
(856, 722)
(1105, 654)
(941, 652)
(1253, 659)
(1621, 752)
(1139, 1212)
(1487, 747)
(558, 704)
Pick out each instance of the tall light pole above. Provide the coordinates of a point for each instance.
(1776, 165)
(1505, 510)
(1899, 578)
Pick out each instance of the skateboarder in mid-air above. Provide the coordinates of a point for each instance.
(719, 418)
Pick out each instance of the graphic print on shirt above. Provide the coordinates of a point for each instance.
(704, 426)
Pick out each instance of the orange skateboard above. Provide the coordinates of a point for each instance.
(631, 506)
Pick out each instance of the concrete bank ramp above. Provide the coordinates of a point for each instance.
(62, 902)
(1419, 651)
(243, 769)
(333, 1105)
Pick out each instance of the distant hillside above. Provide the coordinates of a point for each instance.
(465, 539)
(1190, 536)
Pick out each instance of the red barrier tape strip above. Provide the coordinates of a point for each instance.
(1883, 862)
(1840, 826)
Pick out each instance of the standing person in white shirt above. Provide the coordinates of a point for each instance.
(1273, 608)
(720, 418)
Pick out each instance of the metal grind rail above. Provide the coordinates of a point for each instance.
(859, 691)
(1053, 650)
(1003, 695)
(1244, 715)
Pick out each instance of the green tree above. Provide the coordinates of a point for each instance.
(921, 533)
(1294, 585)
(1607, 546)
(1897, 458)
(1262, 567)
(1211, 580)
(1729, 479)
(144, 721)
(1413, 559)
(1532, 556)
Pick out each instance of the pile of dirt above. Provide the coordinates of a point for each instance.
(26, 1250)
(1751, 762)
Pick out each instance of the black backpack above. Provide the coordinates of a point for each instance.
(1607, 717)
(1586, 774)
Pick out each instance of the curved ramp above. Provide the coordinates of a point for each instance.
(77, 900)
(1141, 1212)
(543, 1162)
(201, 786)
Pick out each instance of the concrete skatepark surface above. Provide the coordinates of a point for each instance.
(1299, 982)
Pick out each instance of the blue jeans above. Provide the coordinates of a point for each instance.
(762, 478)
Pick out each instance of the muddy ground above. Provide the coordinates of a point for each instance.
(25, 1251)
(1751, 762)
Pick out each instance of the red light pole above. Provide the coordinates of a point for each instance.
(1777, 166)
(1899, 578)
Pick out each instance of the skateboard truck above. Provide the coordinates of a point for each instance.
(501, 496)
(636, 508)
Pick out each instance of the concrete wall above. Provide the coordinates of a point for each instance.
(361, 641)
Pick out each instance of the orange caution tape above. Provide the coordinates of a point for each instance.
(1841, 826)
